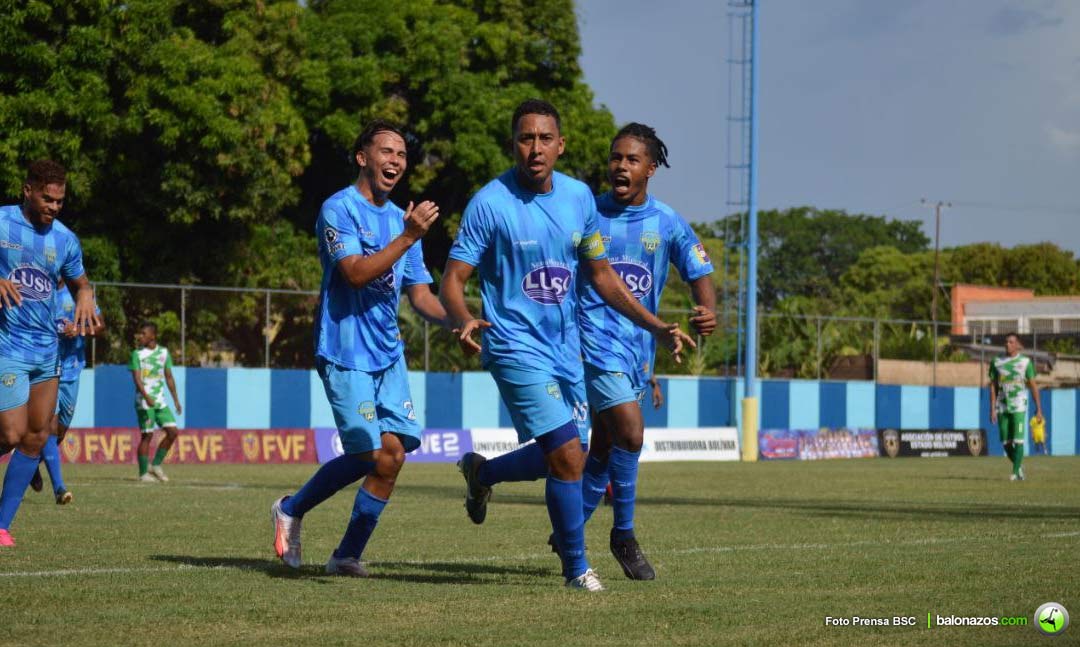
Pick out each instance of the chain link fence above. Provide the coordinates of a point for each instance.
(273, 328)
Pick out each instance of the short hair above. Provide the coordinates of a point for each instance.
(535, 107)
(148, 324)
(374, 127)
(647, 135)
(1012, 334)
(44, 172)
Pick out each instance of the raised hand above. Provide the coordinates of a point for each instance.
(419, 219)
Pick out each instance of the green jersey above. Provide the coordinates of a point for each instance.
(1011, 374)
(151, 365)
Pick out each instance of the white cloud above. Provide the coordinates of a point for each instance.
(1067, 141)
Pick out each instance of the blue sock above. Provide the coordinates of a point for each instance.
(330, 478)
(594, 484)
(365, 515)
(50, 455)
(622, 466)
(567, 520)
(526, 463)
(20, 470)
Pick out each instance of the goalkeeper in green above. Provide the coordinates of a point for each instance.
(1010, 378)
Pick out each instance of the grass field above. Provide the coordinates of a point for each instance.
(745, 554)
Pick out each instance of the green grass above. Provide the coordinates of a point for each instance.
(754, 554)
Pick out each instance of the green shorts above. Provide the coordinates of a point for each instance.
(1012, 426)
(151, 419)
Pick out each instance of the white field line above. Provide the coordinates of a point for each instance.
(549, 556)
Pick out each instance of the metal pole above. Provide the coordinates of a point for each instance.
(877, 347)
(266, 333)
(427, 346)
(752, 242)
(183, 326)
(819, 351)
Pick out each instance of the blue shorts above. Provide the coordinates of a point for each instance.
(367, 405)
(540, 402)
(16, 376)
(607, 389)
(65, 401)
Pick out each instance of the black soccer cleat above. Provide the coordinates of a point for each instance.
(476, 495)
(36, 484)
(628, 553)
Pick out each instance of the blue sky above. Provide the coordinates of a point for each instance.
(865, 105)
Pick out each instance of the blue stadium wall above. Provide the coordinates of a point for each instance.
(238, 398)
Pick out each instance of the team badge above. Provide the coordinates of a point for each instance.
(575, 238)
(891, 439)
(553, 390)
(8, 379)
(249, 442)
(50, 255)
(650, 240)
(367, 409)
(72, 445)
(975, 442)
(702, 255)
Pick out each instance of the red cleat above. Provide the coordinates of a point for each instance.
(6, 539)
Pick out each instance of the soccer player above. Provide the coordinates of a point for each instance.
(72, 360)
(151, 369)
(526, 232)
(36, 251)
(644, 236)
(1010, 378)
(369, 249)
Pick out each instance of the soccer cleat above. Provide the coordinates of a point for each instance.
(628, 553)
(5, 538)
(286, 535)
(345, 566)
(587, 581)
(1020, 474)
(476, 495)
(63, 497)
(146, 478)
(1013, 477)
(36, 484)
(159, 473)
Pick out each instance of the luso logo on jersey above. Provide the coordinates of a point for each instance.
(547, 284)
(636, 276)
(32, 282)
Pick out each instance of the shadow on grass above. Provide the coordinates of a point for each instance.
(408, 571)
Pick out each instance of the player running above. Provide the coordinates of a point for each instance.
(527, 232)
(151, 369)
(1010, 378)
(369, 249)
(36, 251)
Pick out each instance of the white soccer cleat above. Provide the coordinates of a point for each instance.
(587, 581)
(1021, 474)
(346, 566)
(158, 473)
(286, 535)
(146, 478)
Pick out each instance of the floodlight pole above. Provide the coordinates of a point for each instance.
(937, 274)
(750, 403)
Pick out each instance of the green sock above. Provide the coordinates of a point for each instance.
(159, 455)
(1018, 458)
(1009, 451)
(144, 464)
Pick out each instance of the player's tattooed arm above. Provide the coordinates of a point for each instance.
(452, 296)
(612, 290)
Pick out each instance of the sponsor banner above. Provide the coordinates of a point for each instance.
(491, 441)
(817, 444)
(930, 443)
(690, 444)
(104, 445)
(436, 445)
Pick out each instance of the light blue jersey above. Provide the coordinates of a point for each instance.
(526, 247)
(358, 329)
(72, 350)
(34, 259)
(641, 242)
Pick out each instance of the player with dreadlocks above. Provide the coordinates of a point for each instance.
(643, 235)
